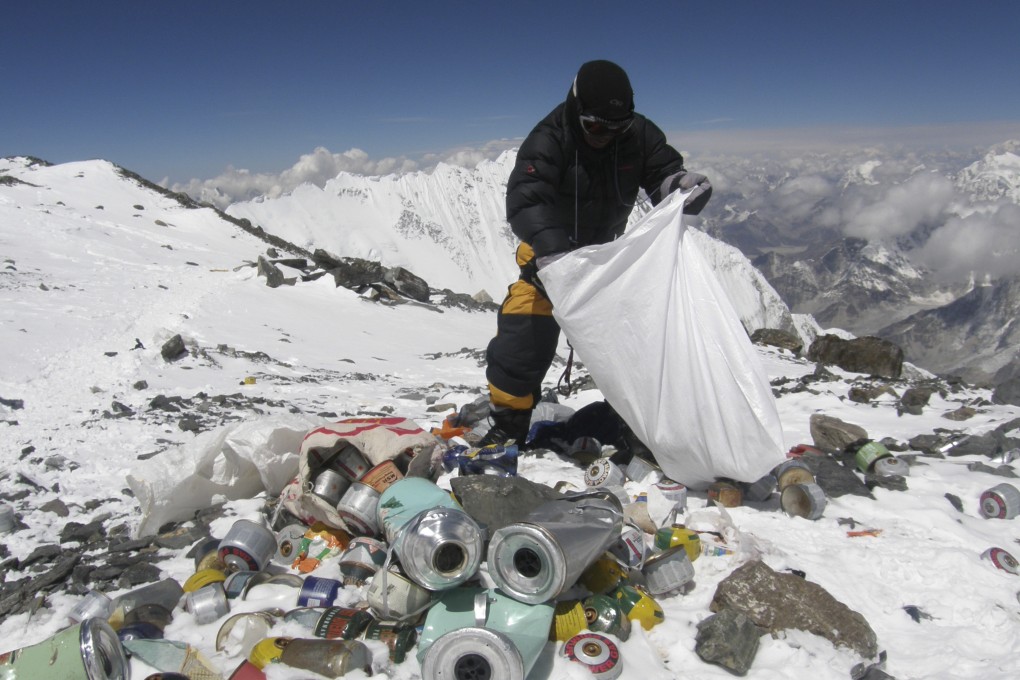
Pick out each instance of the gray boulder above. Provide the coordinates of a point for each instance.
(870, 355)
(832, 434)
(774, 337)
(728, 639)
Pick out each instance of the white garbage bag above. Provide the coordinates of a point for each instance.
(651, 322)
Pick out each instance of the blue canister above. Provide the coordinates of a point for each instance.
(319, 592)
(477, 609)
(489, 460)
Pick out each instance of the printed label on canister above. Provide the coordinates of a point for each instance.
(247, 546)
(1002, 560)
(342, 622)
(868, 454)
(318, 592)
(1002, 501)
(597, 653)
(604, 472)
(382, 476)
(568, 620)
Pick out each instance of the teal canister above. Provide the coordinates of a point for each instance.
(526, 625)
(89, 650)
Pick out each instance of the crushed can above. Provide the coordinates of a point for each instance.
(869, 453)
(1002, 560)
(597, 653)
(331, 658)
(674, 492)
(207, 554)
(359, 508)
(535, 560)
(473, 653)
(237, 584)
(803, 500)
(267, 651)
(761, 489)
(203, 577)
(668, 572)
(166, 593)
(605, 615)
(363, 557)
(679, 535)
(246, 670)
(1002, 501)
(638, 606)
(247, 546)
(88, 650)
(288, 544)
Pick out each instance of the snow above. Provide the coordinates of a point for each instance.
(81, 287)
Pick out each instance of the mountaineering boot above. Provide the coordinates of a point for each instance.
(507, 424)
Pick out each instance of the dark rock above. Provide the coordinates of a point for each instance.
(107, 573)
(407, 284)
(181, 537)
(140, 385)
(914, 400)
(960, 414)
(955, 501)
(173, 349)
(870, 355)
(778, 602)
(13, 404)
(1007, 392)
(21, 597)
(1000, 471)
(866, 394)
(835, 478)
(44, 553)
(139, 573)
(832, 434)
(132, 545)
(988, 444)
(774, 337)
(57, 507)
(890, 482)
(499, 501)
(75, 532)
(355, 273)
(274, 277)
(728, 639)
(190, 424)
(325, 260)
(162, 402)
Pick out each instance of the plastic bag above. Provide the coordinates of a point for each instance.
(653, 325)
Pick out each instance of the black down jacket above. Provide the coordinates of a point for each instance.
(562, 193)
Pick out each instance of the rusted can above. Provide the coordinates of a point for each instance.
(868, 454)
(1002, 501)
(679, 535)
(207, 603)
(94, 605)
(247, 546)
(597, 653)
(331, 658)
(330, 486)
(668, 572)
(350, 463)
(400, 638)
(604, 615)
(639, 606)
(792, 471)
(891, 466)
(803, 500)
(359, 509)
(382, 476)
(568, 620)
(88, 650)
(604, 472)
(342, 622)
(319, 592)
(725, 494)
(203, 577)
(1002, 560)
(393, 596)
(288, 544)
(363, 557)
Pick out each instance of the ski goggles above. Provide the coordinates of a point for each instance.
(601, 127)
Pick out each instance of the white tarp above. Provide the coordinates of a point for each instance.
(651, 322)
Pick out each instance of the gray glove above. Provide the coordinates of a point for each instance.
(697, 184)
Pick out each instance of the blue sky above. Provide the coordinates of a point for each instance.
(187, 89)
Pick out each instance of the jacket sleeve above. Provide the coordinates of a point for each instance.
(661, 161)
(532, 191)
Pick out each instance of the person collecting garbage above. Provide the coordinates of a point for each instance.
(575, 182)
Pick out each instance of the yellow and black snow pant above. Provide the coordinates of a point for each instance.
(525, 343)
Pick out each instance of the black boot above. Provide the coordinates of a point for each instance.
(507, 425)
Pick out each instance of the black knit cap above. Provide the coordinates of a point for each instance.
(603, 89)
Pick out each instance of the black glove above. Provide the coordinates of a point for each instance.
(697, 184)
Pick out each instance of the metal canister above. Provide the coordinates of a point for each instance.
(604, 472)
(868, 454)
(891, 466)
(330, 486)
(399, 637)
(342, 622)
(668, 572)
(585, 450)
(760, 490)
(382, 476)
(207, 603)
(331, 658)
(393, 596)
(267, 651)
(247, 546)
(88, 650)
(604, 574)
(139, 631)
(155, 615)
(679, 535)
(350, 463)
(203, 577)
(319, 592)
(94, 605)
(7, 519)
(803, 500)
(639, 606)
(630, 548)
(643, 471)
(166, 593)
(363, 557)
(403, 500)
(237, 584)
(359, 508)
(473, 652)
(597, 653)
(725, 494)
(673, 491)
(207, 554)
(288, 543)
(535, 560)
(568, 620)
(1002, 560)
(604, 615)
(1002, 501)
(793, 471)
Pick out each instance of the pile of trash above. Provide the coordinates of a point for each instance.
(365, 562)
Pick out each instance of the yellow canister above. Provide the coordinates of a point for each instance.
(202, 578)
(678, 534)
(603, 575)
(267, 651)
(568, 620)
(639, 606)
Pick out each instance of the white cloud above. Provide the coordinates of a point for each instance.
(921, 200)
(984, 242)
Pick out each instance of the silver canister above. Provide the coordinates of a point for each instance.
(1002, 501)
(535, 560)
(7, 520)
(668, 572)
(891, 466)
(761, 489)
(330, 486)
(394, 597)
(248, 546)
(643, 471)
(362, 558)
(604, 472)
(94, 605)
(630, 548)
(208, 603)
(675, 492)
(440, 548)
(473, 652)
(803, 500)
(288, 543)
(358, 508)
(350, 463)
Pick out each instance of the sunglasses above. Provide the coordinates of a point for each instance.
(601, 127)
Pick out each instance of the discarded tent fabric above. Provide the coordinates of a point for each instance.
(655, 328)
